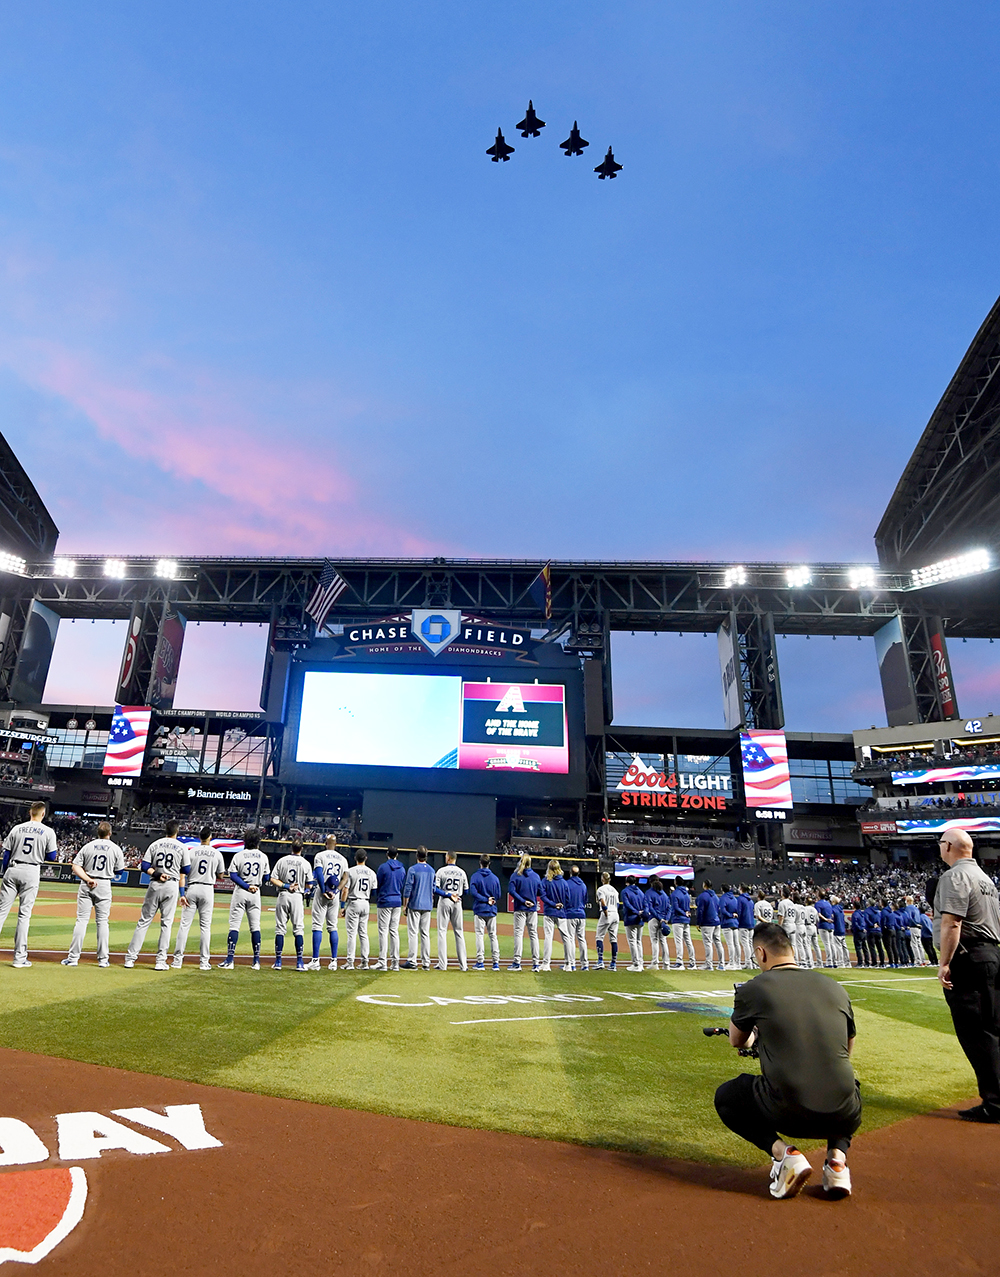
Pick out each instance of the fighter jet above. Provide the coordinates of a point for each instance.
(499, 150)
(574, 144)
(531, 125)
(608, 167)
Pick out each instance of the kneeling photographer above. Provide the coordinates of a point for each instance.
(802, 1026)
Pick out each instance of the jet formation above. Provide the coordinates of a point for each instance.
(531, 126)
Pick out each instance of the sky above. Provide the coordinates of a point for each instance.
(263, 292)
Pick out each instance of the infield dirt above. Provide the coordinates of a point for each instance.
(303, 1187)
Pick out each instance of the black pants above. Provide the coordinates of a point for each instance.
(736, 1103)
(974, 1002)
(891, 953)
(861, 949)
(875, 949)
(929, 949)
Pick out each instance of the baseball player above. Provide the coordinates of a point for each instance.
(166, 863)
(680, 925)
(825, 931)
(356, 892)
(24, 849)
(842, 955)
(859, 931)
(708, 923)
(575, 890)
(729, 924)
(786, 915)
(745, 905)
(418, 901)
(291, 875)
(329, 872)
(450, 883)
(389, 897)
(810, 931)
(658, 909)
(763, 910)
(206, 865)
(797, 920)
(248, 869)
(554, 903)
(524, 887)
(607, 921)
(485, 891)
(95, 864)
(912, 917)
(633, 907)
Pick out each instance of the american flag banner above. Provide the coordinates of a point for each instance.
(766, 780)
(127, 740)
(329, 589)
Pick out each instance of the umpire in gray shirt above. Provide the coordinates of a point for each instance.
(967, 931)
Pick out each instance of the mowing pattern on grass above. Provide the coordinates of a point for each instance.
(638, 1082)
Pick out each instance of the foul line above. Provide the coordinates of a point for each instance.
(581, 1015)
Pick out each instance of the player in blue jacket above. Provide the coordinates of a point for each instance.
(707, 918)
(418, 901)
(840, 933)
(859, 934)
(554, 904)
(927, 934)
(889, 929)
(824, 930)
(680, 926)
(873, 928)
(633, 911)
(576, 916)
(744, 905)
(389, 898)
(524, 887)
(911, 916)
(904, 951)
(658, 912)
(729, 921)
(484, 887)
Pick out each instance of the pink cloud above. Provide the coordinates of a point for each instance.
(269, 491)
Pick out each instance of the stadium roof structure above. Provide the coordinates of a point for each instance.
(26, 527)
(947, 500)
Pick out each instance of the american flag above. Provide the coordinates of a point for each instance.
(766, 779)
(331, 586)
(127, 740)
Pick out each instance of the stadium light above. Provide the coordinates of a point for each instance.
(115, 567)
(166, 568)
(11, 563)
(950, 569)
(795, 578)
(861, 578)
(64, 567)
(734, 576)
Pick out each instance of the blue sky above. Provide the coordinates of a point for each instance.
(261, 290)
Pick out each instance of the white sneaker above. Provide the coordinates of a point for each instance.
(836, 1180)
(130, 962)
(255, 966)
(633, 967)
(314, 965)
(68, 962)
(204, 966)
(788, 1174)
(333, 965)
(19, 965)
(178, 962)
(104, 962)
(161, 965)
(228, 965)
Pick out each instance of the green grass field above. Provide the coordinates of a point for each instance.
(632, 1073)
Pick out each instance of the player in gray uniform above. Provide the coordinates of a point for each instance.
(329, 871)
(207, 865)
(356, 892)
(95, 864)
(165, 861)
(24, 849)
(607, 922)
(450, 884)
(291, 875)
(247, 869)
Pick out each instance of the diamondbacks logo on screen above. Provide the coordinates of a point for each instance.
(435, 629)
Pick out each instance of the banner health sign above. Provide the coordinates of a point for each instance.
(668, 781)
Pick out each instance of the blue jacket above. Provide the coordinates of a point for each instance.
(873, 920)
(552, 897)
(926, 927)
(633, 907)
(825, 911)
(839, 922)
(680, 904)
(729, 910)
(912, 916)
(390, 875)
(525, 888)
(859, 921)
(575, 890)
(483, 884)
(419, 887)
(708, 909)
(657, 904)
(888, 920)
(745, 906)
